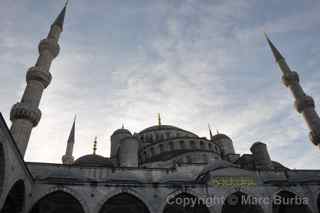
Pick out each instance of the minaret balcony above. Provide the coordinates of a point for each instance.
(36, 74)
(305, 102)
(25, 111)
(51, 45)
(315, 138)
(290, 78)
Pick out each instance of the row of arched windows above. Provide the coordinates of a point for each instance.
(195, 158)
(178, 145)
(164, 135)
(61, 201)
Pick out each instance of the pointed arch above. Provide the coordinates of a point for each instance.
(2, 167)
(288, 202)
(177, 204)
(318, 202)
(58, 202)
(15, 200)
(124, 203)
(237, 202)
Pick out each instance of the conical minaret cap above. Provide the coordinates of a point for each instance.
(72, 132)
(274, 50)
(60, 19)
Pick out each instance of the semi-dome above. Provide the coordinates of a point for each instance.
(93, 160)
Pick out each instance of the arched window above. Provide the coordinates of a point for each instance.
(188, 158)
(58, 201)
(161, 137)
(171, 146)
(182, 145)
(233, 204)
(2, 167)
(210, 146)
(123, 203)
(193, 145)
(293, 207)
(168, 135)
(14, 202)
(174, 206)
(152, 151)
(201, 145)
(145, 156)
(205, 157)
(150, 138)
(161, 148)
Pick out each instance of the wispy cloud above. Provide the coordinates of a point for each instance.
(195, 62)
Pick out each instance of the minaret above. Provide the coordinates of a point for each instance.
(303, 103)
(26, 114)
(210, 132)
(68, 157)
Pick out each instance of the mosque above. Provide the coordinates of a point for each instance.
(161, 169)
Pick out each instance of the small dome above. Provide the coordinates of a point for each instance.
(94, 160)
(121, 131)
(220, 136)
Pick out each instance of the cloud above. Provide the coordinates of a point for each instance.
(194, 62)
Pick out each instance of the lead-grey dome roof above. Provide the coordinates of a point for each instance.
(93, 160)
(121, 131)
(164, 127)
(220, 136)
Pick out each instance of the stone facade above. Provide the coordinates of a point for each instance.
(162, 169)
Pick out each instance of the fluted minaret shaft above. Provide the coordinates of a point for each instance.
(303, 103)
(26, 114)
(68, 157)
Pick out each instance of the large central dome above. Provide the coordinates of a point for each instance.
(158, 133)
(165, 128)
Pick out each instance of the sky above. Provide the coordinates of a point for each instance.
(194, 61)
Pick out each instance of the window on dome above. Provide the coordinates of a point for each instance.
(201, 145)
(193, 145)
(210, 146)
(168, 135)
(152, 151)
(171, 146)
(182, 145)
(161, 148)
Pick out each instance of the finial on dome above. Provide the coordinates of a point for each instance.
(122, 127)
(95, 145)
(159, 119)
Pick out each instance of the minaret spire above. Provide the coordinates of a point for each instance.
(276, 53)
(26, 114)
(68, 157)
(303, 103)
(59, 21)
(210, 132)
